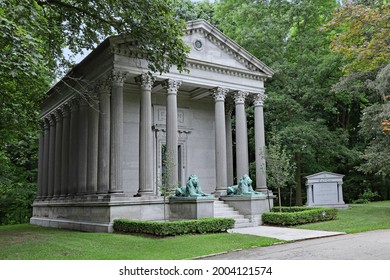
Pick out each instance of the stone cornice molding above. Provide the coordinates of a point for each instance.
(240, 96)
(225, 70)
(219, 93)
(145, 81)
(172, 86)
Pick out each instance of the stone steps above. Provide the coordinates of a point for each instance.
(222, 210)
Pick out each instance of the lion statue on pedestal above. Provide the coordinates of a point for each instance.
(244, 187)
(191, 189)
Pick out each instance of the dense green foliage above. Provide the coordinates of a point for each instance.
(27, 242)
(297, 216)
(205, 225)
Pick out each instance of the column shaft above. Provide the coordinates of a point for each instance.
(116, 160)
(52, 143)
(219, 95)
(58, 147)
(242, 159)
(65, 151)
(40, 161)
(261, 183)
(229, 148)
(104, 139)
(171, 127)
(83, 147)
(73, 148)
(145, 137)
(93, 139)
(45, 158)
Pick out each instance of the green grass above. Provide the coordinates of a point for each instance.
(28, 242)
(358, 218)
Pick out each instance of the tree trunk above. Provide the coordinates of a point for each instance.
(298, 190)
(280, 200)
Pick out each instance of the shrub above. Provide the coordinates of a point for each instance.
(366, 197)
(298, 215)
(205, 225)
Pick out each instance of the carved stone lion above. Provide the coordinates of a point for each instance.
(191, 189)
(244, 187)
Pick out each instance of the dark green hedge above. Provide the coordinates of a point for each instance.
(205, 225)
(291, 216)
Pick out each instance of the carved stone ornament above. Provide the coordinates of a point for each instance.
(104, 86)
(219, 94)
(118, 77)
(240, 96)
(172, 86)
(258, 99)
(145, 81)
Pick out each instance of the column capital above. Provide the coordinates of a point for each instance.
(103, 87)
(145, 81)
(74, 104)
(52, 119)
(240, 96)
(219, 93)
(65, 110)
(172, 86)
(118, 77)
(45, 123)
(58, 114)
(258, 99)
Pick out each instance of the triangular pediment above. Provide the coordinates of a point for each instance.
(209, 45)
(324, 175)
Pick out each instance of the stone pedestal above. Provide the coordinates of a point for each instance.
(251, 206)
(182, 208)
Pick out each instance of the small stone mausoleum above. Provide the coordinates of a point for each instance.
(108, 128)
(325, 189)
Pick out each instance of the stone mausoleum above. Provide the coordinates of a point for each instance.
(108, 128)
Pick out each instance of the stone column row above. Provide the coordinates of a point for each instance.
(223, 140)
(81, 144)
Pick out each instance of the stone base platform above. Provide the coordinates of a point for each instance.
(96, 213)
(337, 206)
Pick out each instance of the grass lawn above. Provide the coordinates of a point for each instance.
(28, 242)
(358, 218)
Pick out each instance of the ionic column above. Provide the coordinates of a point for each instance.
(219, 95)
(73, 148)
(93, 139)
(65, 151)
(172, 87)
(116, 159)
(58, 149)
(40, 160)
(83, 147)
(229, 146)
(261, 183)
(145, 81)
(52, 161)
(104, 137)
(242, 159)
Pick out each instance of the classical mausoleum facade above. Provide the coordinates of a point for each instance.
(110, 130)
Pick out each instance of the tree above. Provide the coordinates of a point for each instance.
(280, 168)
(362, 36)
